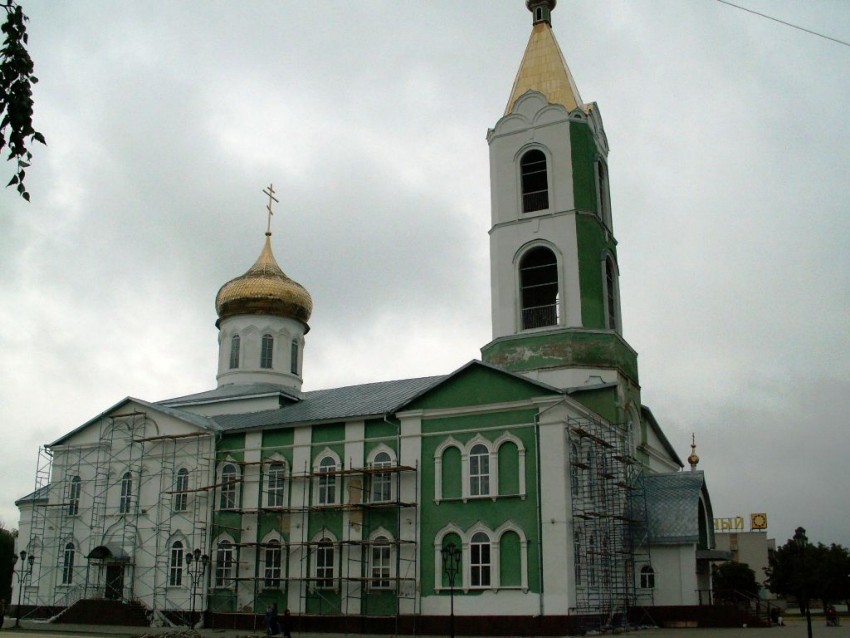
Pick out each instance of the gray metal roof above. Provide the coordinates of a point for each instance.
(41, 494)
(334, 404)
(649, 417)
(234, 391)
(672, 506)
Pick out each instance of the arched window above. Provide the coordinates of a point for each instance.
(602, 191)
(234, 351)
(538, 276)
(325, 564)
(479, 470)
(229, 487)
(181, 490)
(647, 577)
(380, 563)
(266, 350)
(277, 483)
(175, 565)
(68, 564)
(327, 481)
(293, 356)
(610, 294)
(479, 560)
(535, 181)
(126, 502)
(382, 483)
(591, 561)
(273, 561)
(224, 564)
(74, 496)
(577, 555)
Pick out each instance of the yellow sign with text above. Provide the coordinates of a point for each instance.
(758, 521)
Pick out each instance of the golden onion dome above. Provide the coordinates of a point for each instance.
(693, 459)
(264, 290)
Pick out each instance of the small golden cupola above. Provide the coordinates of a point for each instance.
(262, 320)
(264, 290)
(693, 459)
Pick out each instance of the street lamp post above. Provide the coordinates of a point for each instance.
(196, 565)
(451, 566)
(801, 542)
(23, 573)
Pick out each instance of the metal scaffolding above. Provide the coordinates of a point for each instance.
(102, 521)
(354, 589)
(610, 546)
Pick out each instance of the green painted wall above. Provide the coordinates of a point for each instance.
(603, 402)
(560, 348)
(492, 512)
(234, 444)
(378, 428)
(477, 385)
(593, 243)
(278, 439)
(583, 150)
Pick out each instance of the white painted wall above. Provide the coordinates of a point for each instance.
(251, 329)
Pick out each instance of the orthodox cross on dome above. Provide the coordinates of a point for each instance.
(270, 192)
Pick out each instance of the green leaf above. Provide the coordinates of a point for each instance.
(14, 180)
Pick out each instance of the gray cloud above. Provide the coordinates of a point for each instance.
(166, 120)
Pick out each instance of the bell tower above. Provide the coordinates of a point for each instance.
(553, 255)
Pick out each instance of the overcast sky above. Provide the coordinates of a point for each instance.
(730, 186)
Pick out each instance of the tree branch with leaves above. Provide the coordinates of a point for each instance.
(16, 103)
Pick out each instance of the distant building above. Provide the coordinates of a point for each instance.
(539, 463)
(752, 548)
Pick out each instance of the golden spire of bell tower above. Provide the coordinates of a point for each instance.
(543, 66)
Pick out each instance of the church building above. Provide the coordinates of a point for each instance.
(531, 488)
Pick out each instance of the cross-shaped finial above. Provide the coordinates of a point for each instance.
(270, 192)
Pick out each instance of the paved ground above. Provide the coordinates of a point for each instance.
(795, 628)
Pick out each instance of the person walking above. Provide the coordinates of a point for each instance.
(287, 624)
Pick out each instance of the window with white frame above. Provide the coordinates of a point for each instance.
(276, 485)
(534, 181)
(224, 564)
(379, 564)
(126, 502)
(479, 470)
(175, 565)
(74, 496)
(538, 278)
(382, 483)
(181, 490)
(479, 560)
(327, 481)
(68, 564)
(235, 342)
(273, 560)
(266, 350)
(325, 564)
(229, 487)
(647, 577)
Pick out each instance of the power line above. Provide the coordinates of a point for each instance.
(787, 24)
